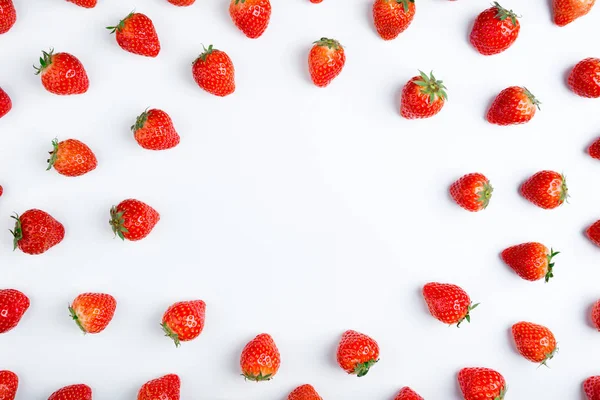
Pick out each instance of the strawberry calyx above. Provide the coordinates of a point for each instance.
(76, 319)
(564, 190)
(45, 61)
(169, 332)
(257, 378)
(504, 14)
(116, 222)
(548, 357)
(121, 25)
(361, 369)
(532, 98)
(467, 316)
(405, 3)
(550, 274)
(485, 195)
(502, 393)
(329, 43)
(17, 232)
(53, 154)
(205, 53)
(239, 1)
(431, 87)
(140, 121)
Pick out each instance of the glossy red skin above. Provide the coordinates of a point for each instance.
(260, 358)
(251, 17)
(13, 304)
(356, 348)
(415, 104)
(8, 15)
(94, 311)
(591, 387)
(138, 36)
(73, 392)
(74, 158)
(304, 392)
(325, 64)
(166, 387)
(593, 233)
(40, 232)
(481, 383)
(466, 191)
(139, 217)
(490, 35)
(595, 316)
(534, 342)
(158, 132)
(446, 302)
(1, 190)
(216, 74)
(512, 106)
(9, 383)
(182, 3)
(316, 1)
(544, 189)
(594, 149)
(528, 260)
(407, 393)
(567, 11)
(84, 3)
(390, 18)
(65, 75)
(186, 319)
(5, 103)
(584, 79)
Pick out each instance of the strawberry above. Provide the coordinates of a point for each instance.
(164, 388)
(304, 392)
(8, 15)
(136, 34)
(567, 11)
(84, 3)
(213, 71)
(591, 387)
(71, 158)
(9, 383)
(357, 353)
(132, 219)
(546, 189)
(531, 261)
(73, 392)
(62, 73)
(250, 16)
(593, 233)
(534, 342)
(316, 1)
(260, 359)
(93, 311)
(13, 304)
(326, 61)
(596, 317)
(36, 232)
(392, 17)
(154, 130)
(514, 105)
(472, 192)
(1, 190)
(481, 384)
(448, 303)
(495, 30)
(407, 393)
(182, 3)
(594, 149)
(184, 321)
(422, 97)
(584, 79)
(5, 103)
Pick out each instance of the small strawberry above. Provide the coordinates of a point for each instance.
(154, 130)
(71, 158)
(316, 1)
(534, 342)
(567, 11)
(5, 103)
(593, 233)
(392, 17)
(357, 353)
(260, 359)
(182, 3)
(584, 79)
(136, 34)
(36, 232)
(133, 220)
(481, 384)
(531, 261)
(448, 303)
(546, 189)
(422, 97)
(93, 311)
(514, 105)
(166, 387)
(1, 190)
(591, 387)
(62, 73)
(495, 30)
(84, 3)
(326, 61)
(8, 15)
(73, 392)
(407, 393)
(594, 149)
(250, 16)
(9, 383)
(184, 321)
(596, 317)
(213, 71)
(304, 392)
(472, 192)
(13, 304)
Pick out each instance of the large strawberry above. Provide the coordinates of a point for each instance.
(13, 304)
(260, 359)
(593, 233)
(71, 158)
(132, 219)
(181, 3)
(213, 71)
(407, 393)
(481, 384)
(250, 16)
(422, 97)
(36, 232)
(392, 17)
(9, 383)
(567, 11)
(304, 392)
(136, 34)
(357, 353)
(84, 3)
(534, 342)
(584, 79)
(514, 105)
(595, 315)
(448, 303)
(546, 189)
(62, 73)
(184, 321)
(531, 261)
(154, 130)
(495, 30)
(164, 388)
(93, 311)
(326, 61)
(5, 103)
(472, 192)
(72, 392)
(8, 15)
(591, 387)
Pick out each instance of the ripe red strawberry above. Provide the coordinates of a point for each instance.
(567, 11)
(9, 383)
(71, 158)
(514, 105)
(495, 30)
(73, 392)
(184, 321)
(36, 232)
(93, 311)
(84, 3)
(250, 16)
(1, 190)
(407, 393)
(154, 130)
(591, 387)
(472, 192)
(596, 317)
(316, 1)
(8, 15)
(182, 3)
(304, 392)
(166, 387)
(392, 17)
(357, 353)
(593, 233)
(213, 71)
(13, 304)
(260, 359)
(534, 342)
(481, 384)
(136, 34)
(326, 61)
(585, 78)
(422, 97)
(133, 220)
(448, 303)
(62, 73)
(594, 149)
(5, 103)
(531, 261)
(546, 189)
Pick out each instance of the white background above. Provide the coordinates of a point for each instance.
(294, 210)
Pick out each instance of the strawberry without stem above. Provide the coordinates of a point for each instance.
(448, 303)
(250, 16)
(73, 392)
(260, 359)
(422, 97)
(531, 261)
(71, 158)
(182, 3)
(594, 149)
(495, 30)
(407, 393)
(133, 220)
(84, 3)
(36, 231)
(9, 383)
(13, 304)
(93, 311)
(326, 61)
(546, 189)
(514, 105)
(136, 34)
(213, 71)
(5, 103)
(584, 79)
(567, 11)
(593, 233)
(154, 130)
(304, 392)
(166, 387)
(534, 342)
(62, 73)
(481, 384)
(591, 387)
(472, 192)
(357, 353)
(8, 15)
(595, 315)
(392, 17)
(184, 321)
